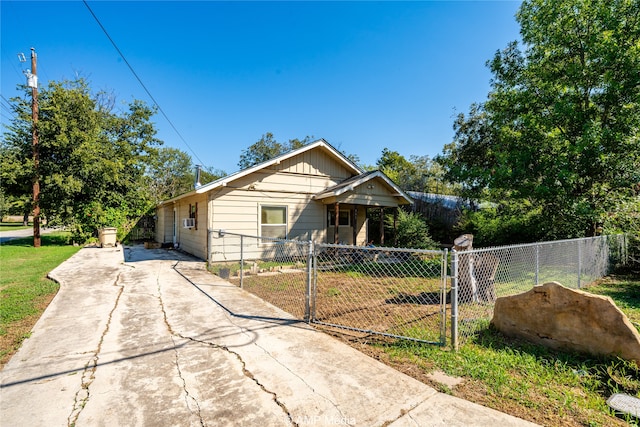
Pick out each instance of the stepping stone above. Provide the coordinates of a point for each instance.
(625, 404)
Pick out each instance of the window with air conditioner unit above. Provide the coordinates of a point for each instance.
(192, 221)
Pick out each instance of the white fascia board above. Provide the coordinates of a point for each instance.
(224, 181)
(276, 160)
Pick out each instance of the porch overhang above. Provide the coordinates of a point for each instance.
(373, 189)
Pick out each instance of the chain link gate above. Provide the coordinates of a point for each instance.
(399, 293)
(386, 291)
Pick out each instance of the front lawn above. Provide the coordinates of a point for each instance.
(25, 291)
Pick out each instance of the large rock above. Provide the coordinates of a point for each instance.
(567, 319)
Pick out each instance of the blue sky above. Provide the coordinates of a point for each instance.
(363, 75)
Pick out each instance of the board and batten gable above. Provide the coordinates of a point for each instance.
(372, 193)
(291, 183)
(315, 162)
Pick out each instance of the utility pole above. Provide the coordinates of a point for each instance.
(32, 82)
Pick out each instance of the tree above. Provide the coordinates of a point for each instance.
(267, 148)
(92, 161)
(169, 174)
(172, 172)
(560, 128)
(418, 173)
(396, 167)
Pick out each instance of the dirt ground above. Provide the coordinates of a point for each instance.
(387, 305)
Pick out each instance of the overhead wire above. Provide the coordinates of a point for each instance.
(7, 107)
(104, 30)
(8, 119)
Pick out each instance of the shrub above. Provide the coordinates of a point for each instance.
(411, 231)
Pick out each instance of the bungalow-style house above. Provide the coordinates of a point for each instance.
(312, 193)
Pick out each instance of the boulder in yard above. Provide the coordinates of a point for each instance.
(567, 319)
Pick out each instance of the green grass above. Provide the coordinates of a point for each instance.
(9, 226)
(548, 387)
(429, 268)
(624, 291)
(25, 290)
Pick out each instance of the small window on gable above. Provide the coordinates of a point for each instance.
(273, 221)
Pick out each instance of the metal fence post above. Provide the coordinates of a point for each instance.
(314, 292)
(537, 264)
(443, 297)
(454, 300)
(579, 261)
(307, 293)
(241, 262)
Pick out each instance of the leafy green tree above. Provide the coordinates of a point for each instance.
(396, 167)
(211, 174)
(418, 173)
(169, 174)
(92, 161)
(172, 172)
(267, 148)
(16, 179)
(560, 128)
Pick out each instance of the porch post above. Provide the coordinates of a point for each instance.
(381, 226)
(354, 225)
(336, 235)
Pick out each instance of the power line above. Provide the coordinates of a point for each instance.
(9, 119)
(141, 83)
(7, 106)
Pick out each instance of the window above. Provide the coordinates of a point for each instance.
(345, 218)
(273, 221)
(193, 213)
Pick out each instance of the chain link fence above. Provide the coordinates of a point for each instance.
(276, 270)
(385, 291)
(482, 275)
(404, 293)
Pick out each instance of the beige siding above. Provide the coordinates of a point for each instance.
(238, 211)
(315, 162)
(368, 200)
(192, 240)
(160, 224)
(164, 224)
(362, 237)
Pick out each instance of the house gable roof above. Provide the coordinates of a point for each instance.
(352, 183)
(224, 181)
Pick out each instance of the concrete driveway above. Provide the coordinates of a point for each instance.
(141, 337)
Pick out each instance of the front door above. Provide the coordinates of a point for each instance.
(175, 226)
